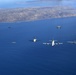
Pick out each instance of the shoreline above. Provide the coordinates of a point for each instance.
(33, 14)
(39, 20)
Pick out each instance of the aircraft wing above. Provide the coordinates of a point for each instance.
(59, 43)
(70, 42)
(47, 43)
(31, 40)
(75, 42)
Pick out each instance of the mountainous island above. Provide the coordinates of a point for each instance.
(38, 13)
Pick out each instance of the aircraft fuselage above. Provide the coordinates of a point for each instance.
(34, 40)
(53, 43)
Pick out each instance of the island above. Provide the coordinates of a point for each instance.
(38, 13)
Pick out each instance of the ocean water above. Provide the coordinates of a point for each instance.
(36, 3)
(19, 56)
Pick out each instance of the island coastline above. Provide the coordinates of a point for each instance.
(33, 14)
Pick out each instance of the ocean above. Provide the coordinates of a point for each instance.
(19, 56)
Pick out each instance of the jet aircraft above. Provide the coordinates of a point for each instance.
(71, 42)
(58, 27)
(34, 40)
(53, 43)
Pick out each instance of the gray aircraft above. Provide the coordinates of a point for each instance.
(58, 27)
(71, 42)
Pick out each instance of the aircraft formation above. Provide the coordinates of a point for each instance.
(53, 42)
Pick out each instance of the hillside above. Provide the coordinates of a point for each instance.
(30, 14)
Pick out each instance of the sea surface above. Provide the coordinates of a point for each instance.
(36, 3)
(20, 56)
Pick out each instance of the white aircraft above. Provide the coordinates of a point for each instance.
(34, 40)
(14, 42)
(71, 42)
(58, 27)
(53, 43)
